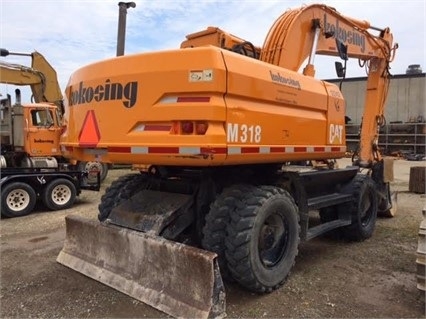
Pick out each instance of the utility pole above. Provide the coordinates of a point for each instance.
(121, 34)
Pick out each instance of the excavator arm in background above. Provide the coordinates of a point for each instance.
(41, 77)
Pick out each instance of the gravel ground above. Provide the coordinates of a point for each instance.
(331, 278)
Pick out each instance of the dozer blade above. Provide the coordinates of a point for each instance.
(180, 280)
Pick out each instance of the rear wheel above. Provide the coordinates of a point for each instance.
(59, 194)
(363, 208)
(217, 221)
(120, 190)
(263, 239)
(17, 199)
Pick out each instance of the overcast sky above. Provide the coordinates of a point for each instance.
(73, 33)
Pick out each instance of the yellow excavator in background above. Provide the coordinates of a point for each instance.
(221, 124)
(30, 133)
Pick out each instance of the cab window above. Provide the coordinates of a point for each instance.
(42, 117)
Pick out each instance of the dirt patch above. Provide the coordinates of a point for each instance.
(331, 278)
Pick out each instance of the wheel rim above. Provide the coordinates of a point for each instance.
(92, 169)
(273, 240)
(61, 194)
(18, 199)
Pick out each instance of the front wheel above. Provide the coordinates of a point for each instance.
(17, 199)
(363, 208)
(59, 194)
(263, 239)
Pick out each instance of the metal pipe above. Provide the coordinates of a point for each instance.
(314, 46)
(4, 52)
(18, 96)
(121, 34)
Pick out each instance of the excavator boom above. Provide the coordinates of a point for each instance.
(41, 77)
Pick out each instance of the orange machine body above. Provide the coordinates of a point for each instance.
(200, 107)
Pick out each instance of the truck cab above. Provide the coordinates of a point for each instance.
(29, 132)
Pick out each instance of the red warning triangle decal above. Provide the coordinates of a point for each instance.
(89, 134)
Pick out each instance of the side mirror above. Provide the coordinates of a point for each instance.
(342, 49)
(340, 70)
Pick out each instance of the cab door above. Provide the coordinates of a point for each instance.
(43, 132)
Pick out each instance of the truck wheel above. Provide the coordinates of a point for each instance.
(363, 208)
(120, 190)
(263, 239)
(17, 199)
(59, 194)
(92, 168)
(217, 221)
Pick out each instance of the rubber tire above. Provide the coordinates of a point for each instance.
(217, 221)
(120, 190)
(25, 188)
(83, 166)
(362, 186)
(51, 188)
(244, 231)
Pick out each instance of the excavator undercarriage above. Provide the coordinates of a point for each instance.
(163, 238)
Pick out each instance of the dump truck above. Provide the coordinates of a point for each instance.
(23, 179)
(30, 132)
(223, 127)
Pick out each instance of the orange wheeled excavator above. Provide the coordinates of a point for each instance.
(221, 125)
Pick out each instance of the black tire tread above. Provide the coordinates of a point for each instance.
(217, 221)
(355, 232)
(120, 190)
(239, 230)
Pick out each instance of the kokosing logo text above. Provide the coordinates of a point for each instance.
(127, 93)
(346, 36)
